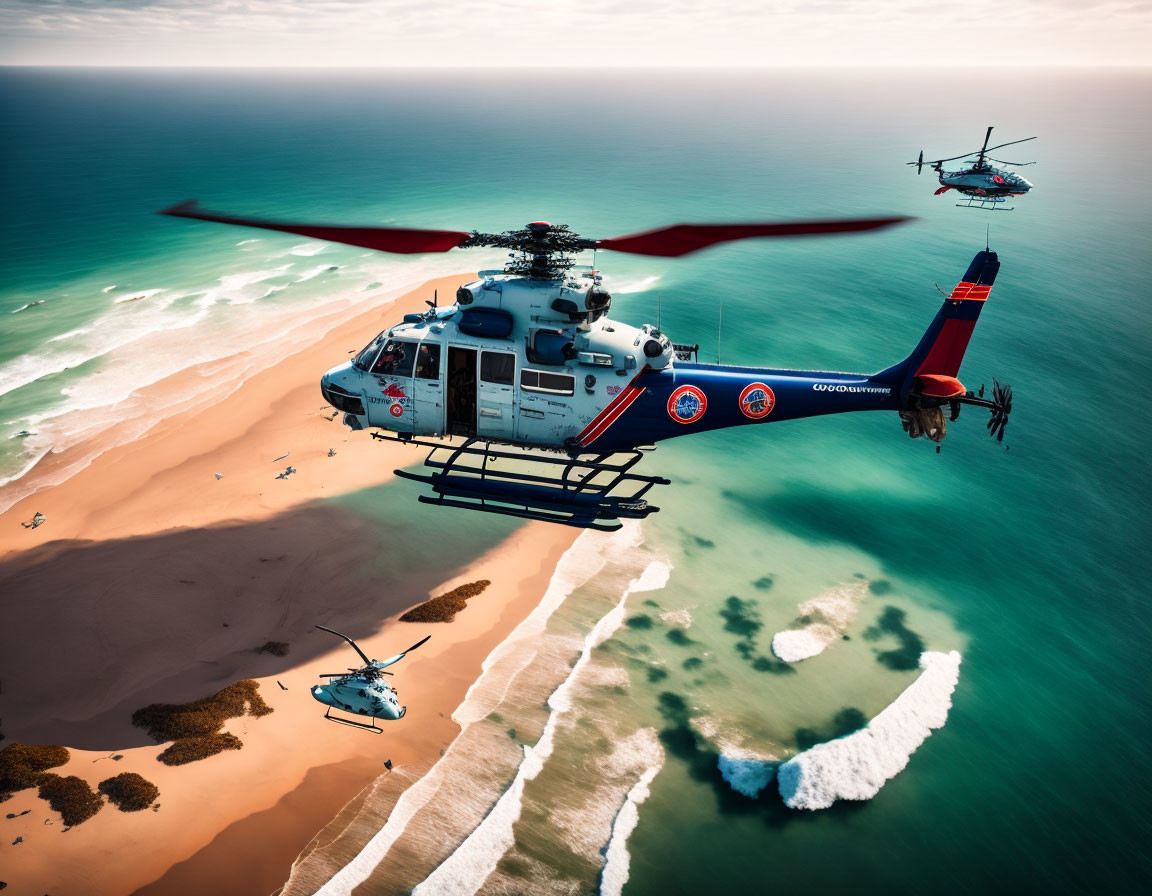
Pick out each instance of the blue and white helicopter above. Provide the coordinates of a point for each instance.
(527, 357)
(362, 691)
(984, 186)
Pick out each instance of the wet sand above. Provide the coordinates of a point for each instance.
(152, 581)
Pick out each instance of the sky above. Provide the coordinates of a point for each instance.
(583, 33)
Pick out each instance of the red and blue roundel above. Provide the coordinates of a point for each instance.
(757, 401)
(396, 410)
(687, 404)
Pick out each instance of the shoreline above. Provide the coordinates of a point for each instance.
(167, 579)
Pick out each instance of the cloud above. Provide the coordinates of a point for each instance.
(596, 33)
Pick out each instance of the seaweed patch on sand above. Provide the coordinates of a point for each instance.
(194, 728)
(444, 607)
(71, 797)
(23, 766)
(129, 792)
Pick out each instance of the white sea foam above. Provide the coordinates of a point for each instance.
(632, 286)
(746, 772)
(677, 618)
(71, 334)
(617, 859)
(26, 307)
(831, 613)
(108, 288)
(317, 271)
(308, 249)
(857, 766)
(248, 242)
(465, 871)
(586, 557)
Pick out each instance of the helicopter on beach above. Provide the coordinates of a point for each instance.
(527, 357)
(984, 186)
(362, 690)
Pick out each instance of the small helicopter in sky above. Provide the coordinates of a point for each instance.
(527, 357)
(362, 690)
(985, 187)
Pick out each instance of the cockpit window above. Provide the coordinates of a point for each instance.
(368, 355)
(396, 359)
(428, 361)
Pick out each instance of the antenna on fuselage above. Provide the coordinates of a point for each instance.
(719, 330)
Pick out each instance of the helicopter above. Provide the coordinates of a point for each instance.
(527, 357)
(985, 187)
(362, 690)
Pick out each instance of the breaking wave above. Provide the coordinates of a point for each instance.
(747, 773)
(627, 287)
(465, 871)
(616, 857)
(857, 766)
(500, 669)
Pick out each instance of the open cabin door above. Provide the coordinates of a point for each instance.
(461, 399)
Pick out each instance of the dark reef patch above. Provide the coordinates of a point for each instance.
(907, 655)
(639, 621)
(679, 637)
(764, 583)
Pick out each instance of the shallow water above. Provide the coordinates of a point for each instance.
(1032, 562)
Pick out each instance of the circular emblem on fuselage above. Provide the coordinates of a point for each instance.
(687, 404)
(757, 401)
(396, 410)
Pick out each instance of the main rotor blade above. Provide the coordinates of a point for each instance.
(400, 240)
(349, 640)
(683, 239)
(380, 664)
(978, 152)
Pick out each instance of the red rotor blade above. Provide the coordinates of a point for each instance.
(399, 240)
(682, 239)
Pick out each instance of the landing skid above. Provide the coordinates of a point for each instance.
(589, 494)
(351, 724)
(987, 203)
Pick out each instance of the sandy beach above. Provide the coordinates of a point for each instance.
(154, 581)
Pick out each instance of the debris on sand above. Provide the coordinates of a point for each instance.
(282, 456)
(276, 648)
(444, 607)
(279, 682)
(36, 521)
(288, 471)
(218, 475)
(331, 452)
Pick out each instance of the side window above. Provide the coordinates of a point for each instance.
(395, 359)
(552, 383)
(497, 367)
(428, 361)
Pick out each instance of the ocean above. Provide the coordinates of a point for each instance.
(613, 747)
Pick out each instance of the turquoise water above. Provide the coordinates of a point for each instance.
(1033, 562)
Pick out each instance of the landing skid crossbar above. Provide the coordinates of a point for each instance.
(987, 203)
(592, 493)
(351, 724)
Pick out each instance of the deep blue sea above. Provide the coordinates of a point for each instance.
(1033, 562)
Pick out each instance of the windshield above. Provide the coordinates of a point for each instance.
(395, 359)
(365, 358)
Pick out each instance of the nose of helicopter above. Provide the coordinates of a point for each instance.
(340, 388)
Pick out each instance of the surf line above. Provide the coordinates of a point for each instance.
(616, 856)
(584, 559)
(464, 872)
